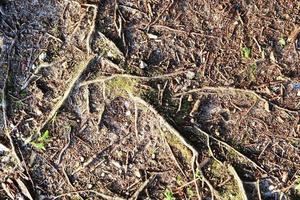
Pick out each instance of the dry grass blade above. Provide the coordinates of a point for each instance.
(293, 35)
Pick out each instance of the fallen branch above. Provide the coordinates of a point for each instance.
(104, 196)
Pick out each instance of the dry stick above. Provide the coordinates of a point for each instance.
(65, 147)
(102, 109)
(117, 18)
(229, 147)
(104, 61)
(239, 182)
(136, 121)
(180, 103)
(224, 89)
(91, 160)
(185, 32)
(37, 70)
(104, 196)
(92, 29)
(142, 187)
(81, 68)
(161, 93)
(210, 150)
(69, 182)
(213, 191)
(187, 184)
(160, 14)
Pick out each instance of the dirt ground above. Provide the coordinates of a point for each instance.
(150, 99)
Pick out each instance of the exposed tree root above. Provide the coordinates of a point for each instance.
(229, 147)
(82, 66)
(239, 182)
(225, 90)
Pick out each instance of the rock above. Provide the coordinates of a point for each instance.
(42, 56)
(190, 75)
(143, 65)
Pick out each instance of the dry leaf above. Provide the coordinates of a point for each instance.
(292, 37)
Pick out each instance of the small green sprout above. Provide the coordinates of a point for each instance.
(41, 141)
(246, 52)
(179, 180)
(190, 192)
(297, 184)
(169, 195)
(198, 174)
(282, 42)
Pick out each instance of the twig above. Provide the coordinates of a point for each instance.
(101, 111)
(161, 93)
(104, 196)
(7, 133)
(210, 150)
(117, 18)
(214, 192)
(90, 160)
(184, 32)
(160, 14)
(37, 70)
(180, 103)
(142, 187)
(136, 113)
(187, 184)
(65, 147)
(69, 182)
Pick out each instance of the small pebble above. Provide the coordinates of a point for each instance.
(42, 56)
(128, 113)
(190, 75)
(143, 65)
(190, 98)
(81, 159)
(137, 173)
(116, 164)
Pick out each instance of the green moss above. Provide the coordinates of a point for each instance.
(108, 49)
(230, 190)
(176, 143)
(121, 86)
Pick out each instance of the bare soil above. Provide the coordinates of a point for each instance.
(150, 99)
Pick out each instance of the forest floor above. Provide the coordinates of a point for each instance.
(150, 99)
